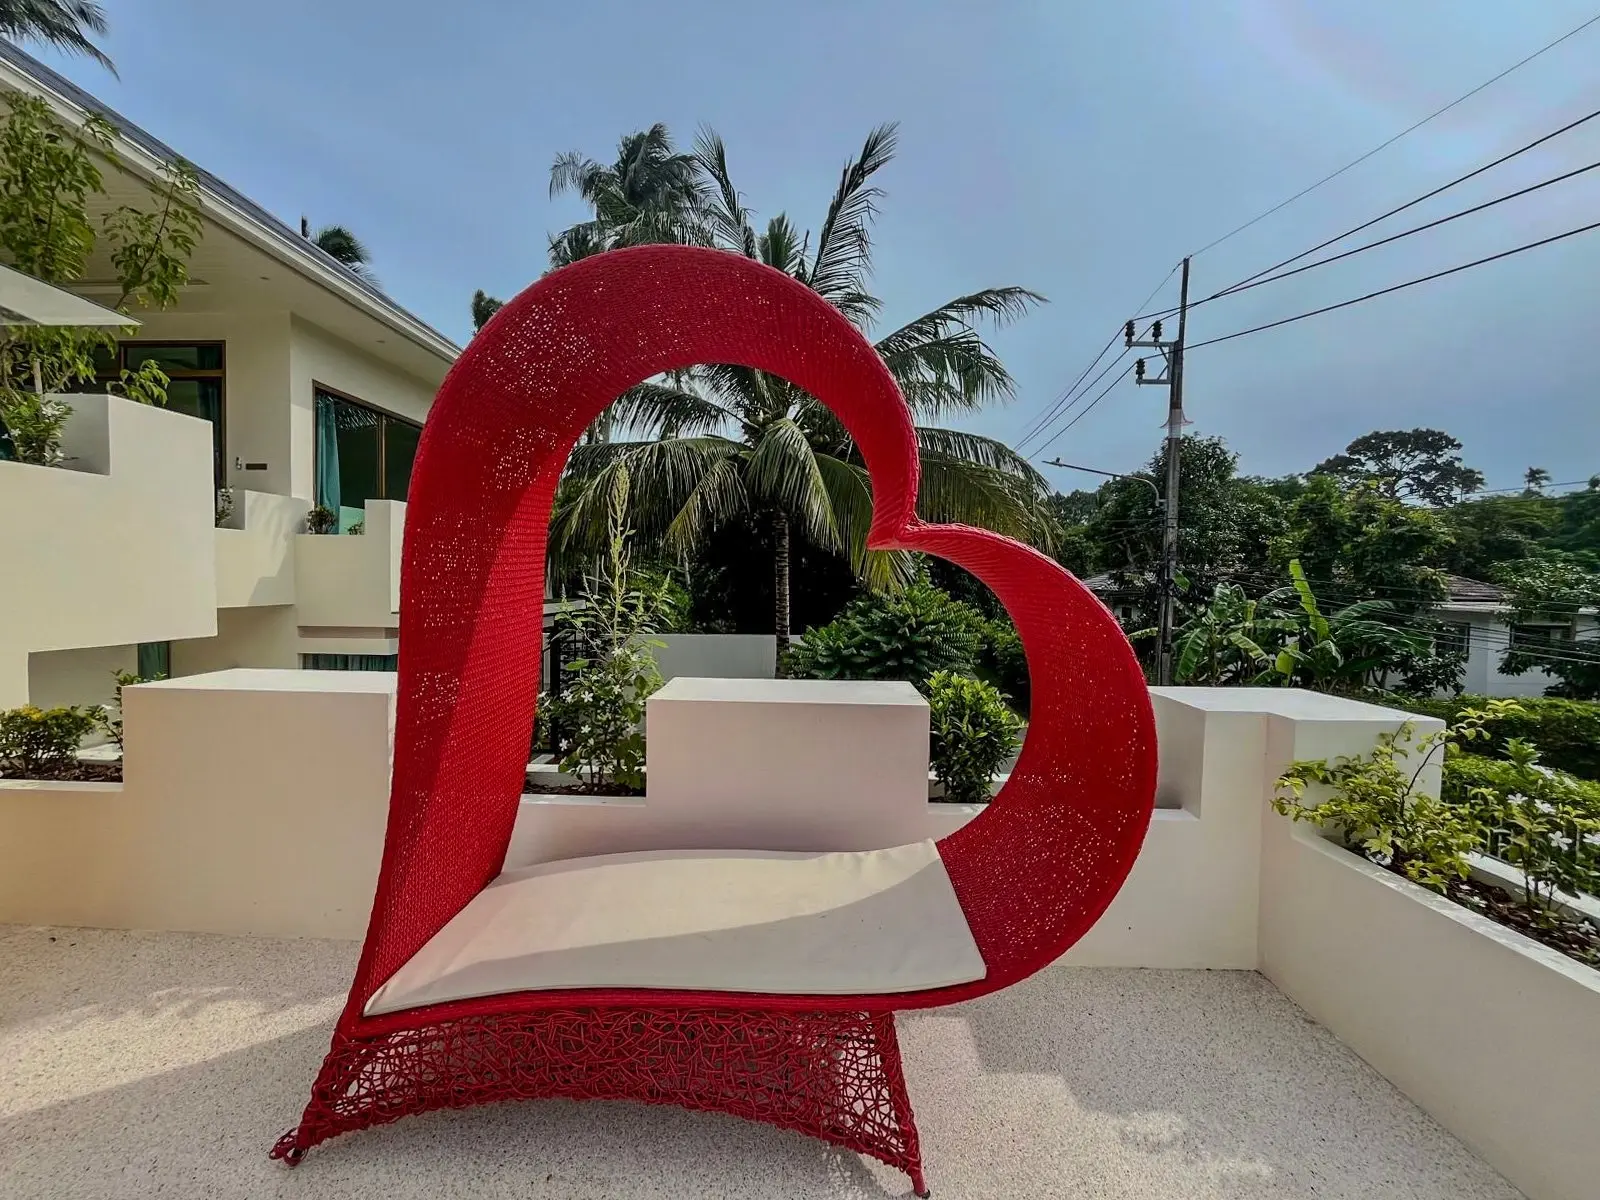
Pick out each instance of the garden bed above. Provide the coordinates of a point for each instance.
(543, 783)
(74, 772)
(1571, 935)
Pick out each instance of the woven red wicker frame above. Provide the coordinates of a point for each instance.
(1032, 873)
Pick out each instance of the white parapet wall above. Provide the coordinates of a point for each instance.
(717, 655)
(256, 550)
(350, 581)
(115, 547)
(253, 802)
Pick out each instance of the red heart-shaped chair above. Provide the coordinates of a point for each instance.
(1029, 875)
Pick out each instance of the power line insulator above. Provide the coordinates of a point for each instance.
(1138, 368)
(1155, 331)
(1127, 333)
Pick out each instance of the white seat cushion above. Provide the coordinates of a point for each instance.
(704, 920)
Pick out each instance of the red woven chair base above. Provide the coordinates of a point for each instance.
(832, 1075)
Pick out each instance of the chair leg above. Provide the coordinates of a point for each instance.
(889, 1053)
(835, 1076)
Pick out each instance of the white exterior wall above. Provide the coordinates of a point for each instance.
(256, 387)
(1488, 639)
(352, 581)
(115, 549)
(246, 637)
(717, 655)
(317, 357)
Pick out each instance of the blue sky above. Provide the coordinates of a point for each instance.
(1079, 150)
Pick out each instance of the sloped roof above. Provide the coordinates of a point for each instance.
(1473, 591)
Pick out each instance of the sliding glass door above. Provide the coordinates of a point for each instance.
(361, 454)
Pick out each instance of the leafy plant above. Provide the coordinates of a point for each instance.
(224, 505)
(910, 635)
(48, 179)
(1547, 823)
(358, 529)
(38, 742)
(322, 520)
(1567, 732)
(600, 713)
(973, 731)
(1374, 807)
(1002, 662)
(109, 719)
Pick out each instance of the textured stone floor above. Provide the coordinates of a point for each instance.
(139, 1065)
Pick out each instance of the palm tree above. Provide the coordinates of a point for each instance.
(60, 23)
(720, 442)
(652, 193)
(340, 244)
(1535, 479)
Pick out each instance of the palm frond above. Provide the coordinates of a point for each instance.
(781, 246)
(986, 451)
(718, 498)
(60, 23)
(850, 493)
(725, 214)
(661, 477)
(659, 410)
(575, 172)
(941, 361)
(783, 471)
(844, 245)
(954, 490)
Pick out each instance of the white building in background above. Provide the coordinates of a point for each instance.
(294, 383)
(1479, 620)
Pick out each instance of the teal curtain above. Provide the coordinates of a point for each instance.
(327, 455)
(155, 660)
(350, 662)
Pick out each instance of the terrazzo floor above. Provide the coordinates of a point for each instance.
(136, 1065)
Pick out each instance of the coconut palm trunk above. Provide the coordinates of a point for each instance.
(780, 580)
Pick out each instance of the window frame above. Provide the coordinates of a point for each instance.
(220, 374)
(383, 415)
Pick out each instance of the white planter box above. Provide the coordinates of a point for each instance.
(1495, 1035)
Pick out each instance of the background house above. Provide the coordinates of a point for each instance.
(294, 383)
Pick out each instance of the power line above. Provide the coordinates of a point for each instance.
(1444, 187)
(1082, 413)
(1391, 141)
(1445, 220)
(1317, 312)
(1039, 425)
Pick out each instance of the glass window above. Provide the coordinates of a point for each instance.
(1539, 635)
(399, 450)
(1454, 638)
(195, 387)
(362, 454)
(155, 660)
(350, 662)
(174, 360)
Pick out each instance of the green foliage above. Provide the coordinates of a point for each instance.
(1372, 804)
(911, 635)
(1555, 587)
(484, 306)
(1284, 638)
(600, 712)
(1421, 465)
(1546, 822)
(1001, 661)
(49, 179)
(109, 719)
(64, 24)
(322, 520)
(36, 742)
(343, 246)
(719, 444)
(1567, 732)
(973, 733)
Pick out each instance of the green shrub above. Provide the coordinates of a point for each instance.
(110, 719)
(322, 520)
(1375, 809)
(910, 635)
(973, 733)
(1567, 732)
(1002, 662)
(1545, 822)
(38, 742)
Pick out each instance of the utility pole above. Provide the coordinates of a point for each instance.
(1172, 379)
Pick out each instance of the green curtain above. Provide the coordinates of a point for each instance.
(350, 662)
(155, 660)
(327, 455)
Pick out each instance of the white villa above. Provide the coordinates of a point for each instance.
(294, 383)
